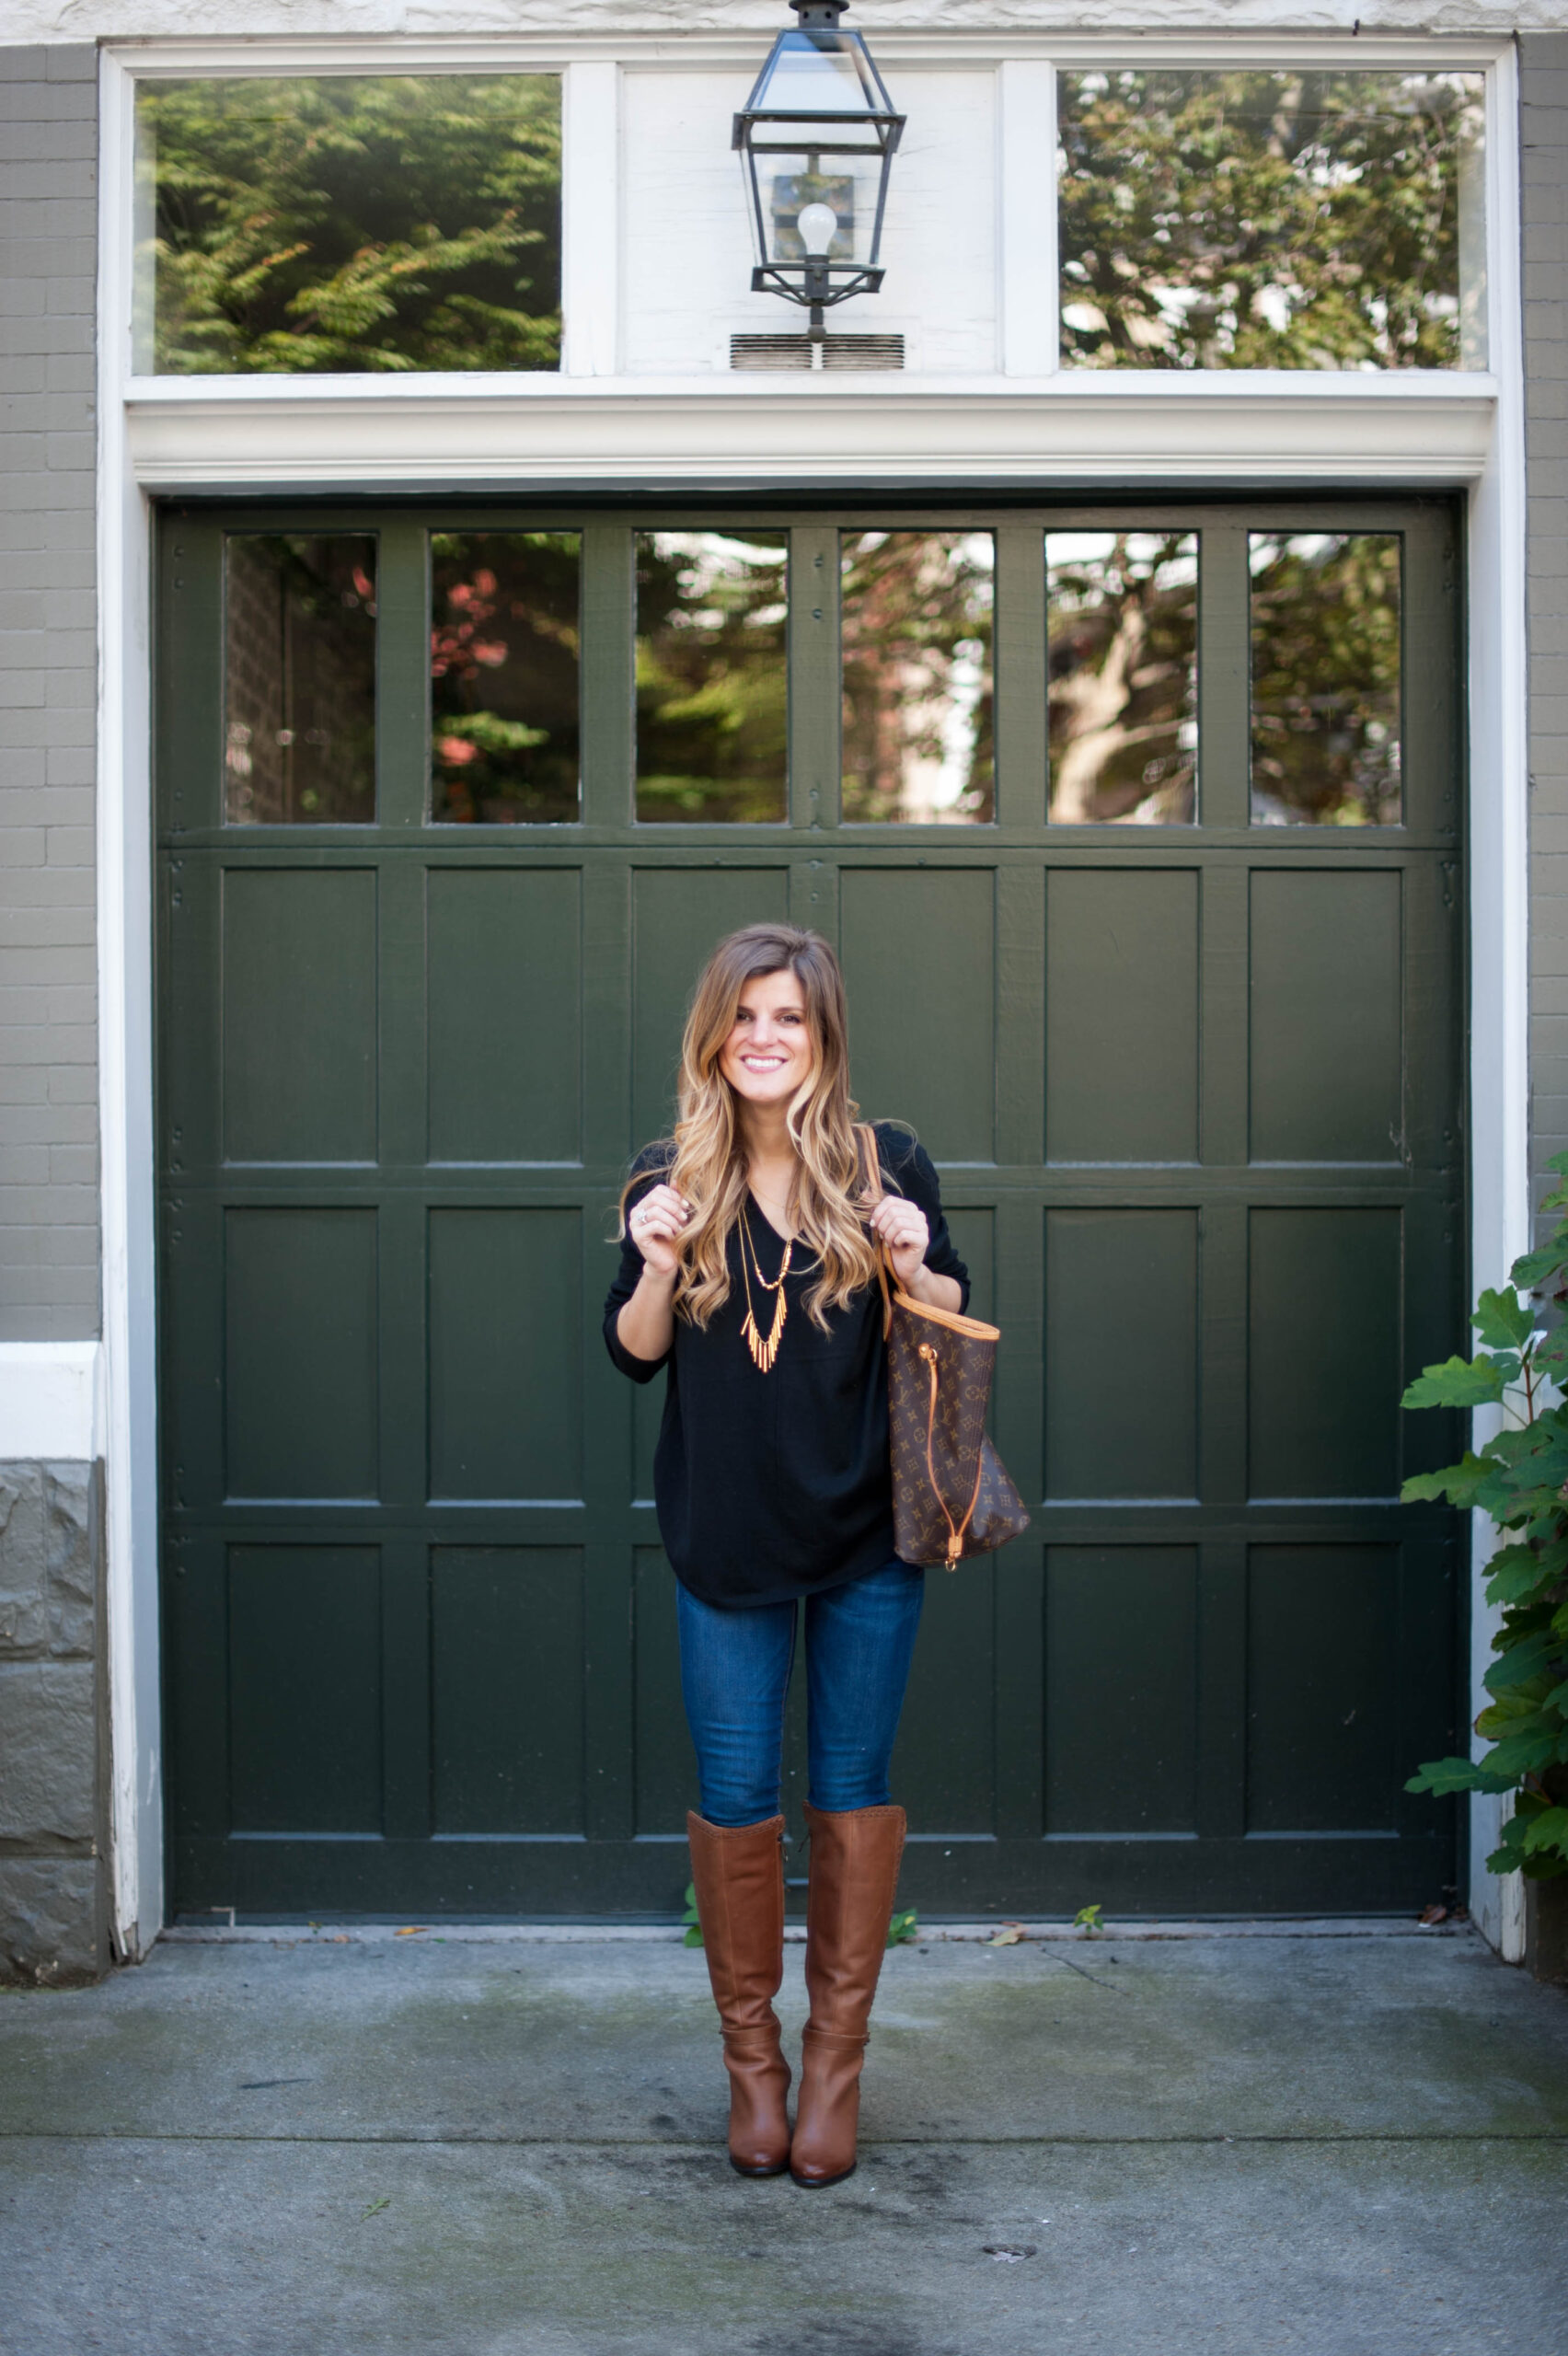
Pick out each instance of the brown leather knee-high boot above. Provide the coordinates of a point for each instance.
(738, 1876)
(854, 1876)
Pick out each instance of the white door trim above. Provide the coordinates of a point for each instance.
(1498, 870)
(125, 1078)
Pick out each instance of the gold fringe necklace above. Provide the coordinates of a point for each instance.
(763, 1352)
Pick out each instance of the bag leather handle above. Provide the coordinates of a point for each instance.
(956, 1530)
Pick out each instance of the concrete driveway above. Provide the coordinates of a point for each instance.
(299, 2144)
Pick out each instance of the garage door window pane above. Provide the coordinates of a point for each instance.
(1272, 220)
(299, 679)
(1123, 639)
(347, 224)
(712, 682)
(1325, 633)
(503, 676)
(918, 742)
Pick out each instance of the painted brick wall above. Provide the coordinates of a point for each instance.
(1543, 92)
(49, 1173)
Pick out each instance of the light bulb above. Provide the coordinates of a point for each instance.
(818, 226)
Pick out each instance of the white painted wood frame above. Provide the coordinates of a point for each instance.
(1498, 870)
(125, 1081)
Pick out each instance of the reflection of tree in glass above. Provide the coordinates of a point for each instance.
(299, 679)
(711, 679)
(919, 735)
(1264, 220)
(1124, 653)
(1325, 678)
(388, 222)
(503, 670)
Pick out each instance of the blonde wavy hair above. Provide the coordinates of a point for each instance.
(827, 1198)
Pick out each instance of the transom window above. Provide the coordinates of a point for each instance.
(1151, 671)
(347, 224)
(1289, 219)
(1263, 218)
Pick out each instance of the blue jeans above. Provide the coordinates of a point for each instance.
(735, 1673)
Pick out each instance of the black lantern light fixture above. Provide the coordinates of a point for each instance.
(816, 140)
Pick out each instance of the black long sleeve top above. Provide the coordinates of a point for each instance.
(775, 1485)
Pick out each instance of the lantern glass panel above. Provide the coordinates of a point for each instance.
(821, 73)
(789, 181)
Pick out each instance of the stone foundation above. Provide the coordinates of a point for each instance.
(53, 1726)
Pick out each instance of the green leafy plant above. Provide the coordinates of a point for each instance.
(1520, 1478)
(692, 1920)
(1089, 1919)
(902, 1928)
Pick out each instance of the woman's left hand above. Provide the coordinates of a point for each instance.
(903, 1229)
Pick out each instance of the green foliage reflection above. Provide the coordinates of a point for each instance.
(503, 670)
(347, 223)
(711, 677)
(1325, 637)
(1268, 220)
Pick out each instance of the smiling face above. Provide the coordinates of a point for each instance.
(769, 1052)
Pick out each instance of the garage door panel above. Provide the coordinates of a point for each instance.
(1121, 996)
(1121, 1652)
(299, 999)
(305, 1688)
(918, 948)
(1324, 1353)
(1120, 1354)
(507, 1700)
(301, 1353)
(1321, 1666)
(504, 1014)
(1326, 959)
(505, 1354)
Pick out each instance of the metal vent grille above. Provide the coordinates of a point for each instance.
(774, 351)
(770, 351)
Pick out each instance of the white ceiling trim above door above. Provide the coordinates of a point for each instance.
(278, 433)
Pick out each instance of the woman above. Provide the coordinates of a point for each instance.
(748, 1270)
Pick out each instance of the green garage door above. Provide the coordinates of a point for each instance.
(1139, 832)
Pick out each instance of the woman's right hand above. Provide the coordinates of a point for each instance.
(655, 1226)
